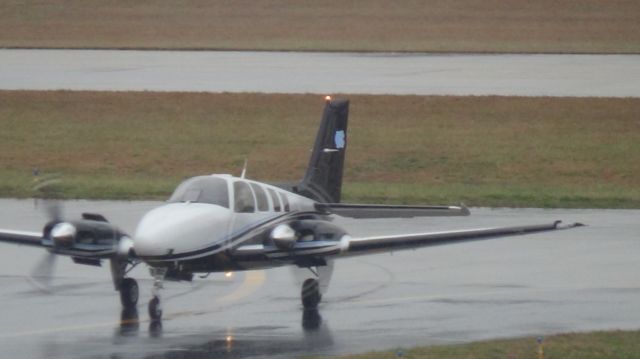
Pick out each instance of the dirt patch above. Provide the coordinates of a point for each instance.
(591, 26)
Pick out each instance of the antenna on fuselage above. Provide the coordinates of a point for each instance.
(244, 169)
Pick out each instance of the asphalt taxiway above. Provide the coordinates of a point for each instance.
(324, 73)
(574, 280)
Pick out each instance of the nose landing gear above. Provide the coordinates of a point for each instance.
(155, 304)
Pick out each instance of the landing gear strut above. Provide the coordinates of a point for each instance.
(128, 287)
(155, 304)
(314, 287)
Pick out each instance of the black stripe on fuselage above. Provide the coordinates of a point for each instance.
(98, 254)
(228, 242)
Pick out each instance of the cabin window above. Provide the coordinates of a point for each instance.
(203, 189)
(261, 197)
(275, 200)
(244, 202)
(285, 201)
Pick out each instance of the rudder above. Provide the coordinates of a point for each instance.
(323, 180)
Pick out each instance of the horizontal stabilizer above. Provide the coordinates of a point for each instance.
(390, 211)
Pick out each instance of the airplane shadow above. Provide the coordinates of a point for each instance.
(316, 337)
(311, 319)
(129, 322)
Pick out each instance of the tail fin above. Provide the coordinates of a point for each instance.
(323, 179)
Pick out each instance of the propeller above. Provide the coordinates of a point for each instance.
(54, 211)
(42, 274)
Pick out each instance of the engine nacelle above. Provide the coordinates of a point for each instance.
(85, 233)
(286, 236)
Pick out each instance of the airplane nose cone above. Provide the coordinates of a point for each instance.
(179, 227)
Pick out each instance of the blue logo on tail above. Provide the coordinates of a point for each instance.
(339, 139)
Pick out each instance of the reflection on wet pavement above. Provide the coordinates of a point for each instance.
(317, 337)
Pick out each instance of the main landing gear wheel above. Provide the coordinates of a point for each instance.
(129, 292)
(311, 294)
(155, 311)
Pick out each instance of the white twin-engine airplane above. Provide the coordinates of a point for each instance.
(222, 223)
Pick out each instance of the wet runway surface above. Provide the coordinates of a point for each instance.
(324, 73)
(575, 280)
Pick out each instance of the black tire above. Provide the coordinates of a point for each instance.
(155, 312)
(129, 293)
(310, 294)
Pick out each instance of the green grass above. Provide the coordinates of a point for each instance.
(23, 184)
(596, 345)
(494, 195)
(484, 151)
(586, 26)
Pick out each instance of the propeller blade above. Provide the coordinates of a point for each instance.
(42, 274)
(54, 211)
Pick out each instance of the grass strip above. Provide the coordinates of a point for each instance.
(485, 151)
(595, 345)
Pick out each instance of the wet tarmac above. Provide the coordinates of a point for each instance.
(324, 73)
(576, 280)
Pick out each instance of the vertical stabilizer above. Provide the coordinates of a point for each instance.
(323, 179)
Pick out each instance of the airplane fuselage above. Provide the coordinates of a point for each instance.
(224, 223)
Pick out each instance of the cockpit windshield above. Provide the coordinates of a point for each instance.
(203, 189)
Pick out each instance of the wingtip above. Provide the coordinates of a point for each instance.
(464, 210)
(558, 225)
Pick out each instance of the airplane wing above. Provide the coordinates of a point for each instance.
(99, 240)
(389, 211)
(314, 252)
(366, 245)
(21, 237)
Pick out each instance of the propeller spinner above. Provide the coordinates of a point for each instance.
(63, 234)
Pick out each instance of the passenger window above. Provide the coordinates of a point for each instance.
(244, 202)
(263, 203)
(274, 199)
(285, 201)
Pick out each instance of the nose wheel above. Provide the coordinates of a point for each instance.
(155, 304)
(155, 310)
